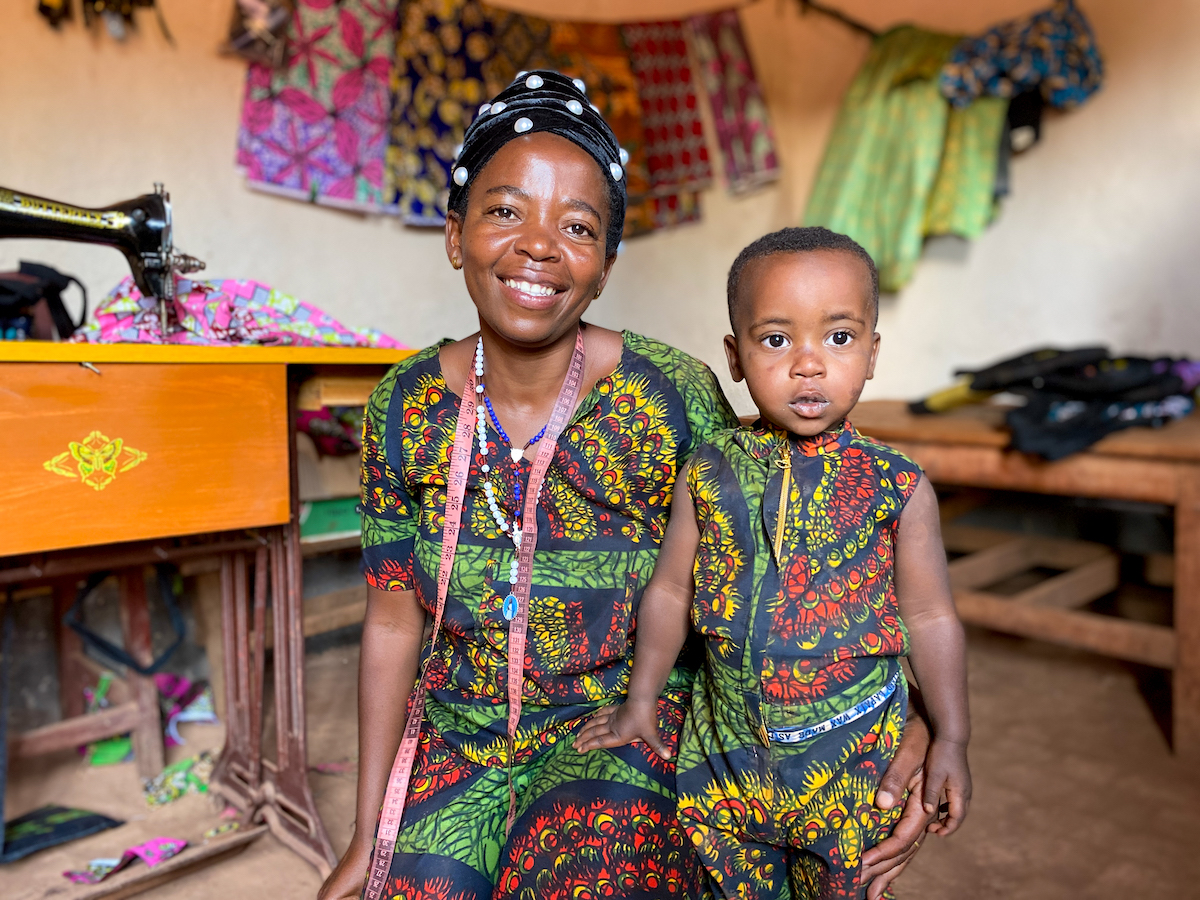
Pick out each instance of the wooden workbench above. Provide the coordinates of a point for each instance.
(968, 448)
(120, 455)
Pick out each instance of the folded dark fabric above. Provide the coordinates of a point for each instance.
(1025, 369)
(1054, 426)
(48, 827)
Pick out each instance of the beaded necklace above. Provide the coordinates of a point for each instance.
(512, 529)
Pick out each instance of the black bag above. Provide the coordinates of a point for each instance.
(22, 295)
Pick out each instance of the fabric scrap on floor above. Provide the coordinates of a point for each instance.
(221, 313)
(48, 827)
(184, 701)
(739, 111)
(1054, 51)
(316, 129)
(110, 751)
(676, 152)
(223, 828)
(188, 776)
(153, 852)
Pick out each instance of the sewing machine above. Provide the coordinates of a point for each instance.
(140, 228)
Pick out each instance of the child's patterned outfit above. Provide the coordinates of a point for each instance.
(773, 810)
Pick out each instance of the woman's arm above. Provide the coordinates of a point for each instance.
(937, 654)
(664, 618)
(393, 632)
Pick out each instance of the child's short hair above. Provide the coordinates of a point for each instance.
(799, 240)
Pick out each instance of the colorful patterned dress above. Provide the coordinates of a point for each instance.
(774, 814)
(604, 822)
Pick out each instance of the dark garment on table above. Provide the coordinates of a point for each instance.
(1054, 426)
(1076, 397)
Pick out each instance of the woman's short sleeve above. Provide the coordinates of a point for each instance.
(389, 514)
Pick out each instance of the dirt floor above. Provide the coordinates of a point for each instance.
(1076, 793)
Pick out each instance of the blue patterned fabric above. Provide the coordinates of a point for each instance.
(1054, 51)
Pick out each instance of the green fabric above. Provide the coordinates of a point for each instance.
(899, 163)
(963, 200)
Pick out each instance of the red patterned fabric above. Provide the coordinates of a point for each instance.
(738, 108)
(675, 150)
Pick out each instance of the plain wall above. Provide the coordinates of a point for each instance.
(1097, 242)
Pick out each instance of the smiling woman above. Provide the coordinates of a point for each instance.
(516, 487)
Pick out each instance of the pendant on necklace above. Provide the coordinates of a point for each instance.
(516, 453)
(510, 607)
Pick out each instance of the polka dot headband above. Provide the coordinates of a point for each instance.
(542, 100)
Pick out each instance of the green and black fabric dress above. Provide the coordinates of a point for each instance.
(801, 701)
(592, 825)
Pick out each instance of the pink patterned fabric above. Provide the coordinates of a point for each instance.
(738, 108)
(226, 312)
(676, 153)
(152, 852)
(317, 129)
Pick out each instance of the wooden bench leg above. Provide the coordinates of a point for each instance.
(73, 674)
(1186, 699)
(135, 626)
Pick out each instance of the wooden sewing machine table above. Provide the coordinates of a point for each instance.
(968, 448)
(122, 455)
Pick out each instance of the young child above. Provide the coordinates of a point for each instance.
(810, 559)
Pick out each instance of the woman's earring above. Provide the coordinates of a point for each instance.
(598, 290)
(455, 261)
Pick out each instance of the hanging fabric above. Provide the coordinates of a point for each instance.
(316, 129)
(738, 109)
(963, 199)
(883, 157)
(1054, 51)
(676, 153)
(451, 57)
(596, 53)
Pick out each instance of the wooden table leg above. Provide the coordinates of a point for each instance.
(1186, 700)
(135, 625)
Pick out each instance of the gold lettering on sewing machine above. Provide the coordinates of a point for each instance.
(60, 212)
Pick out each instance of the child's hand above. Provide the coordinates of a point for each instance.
(616, 726)
(947, 774)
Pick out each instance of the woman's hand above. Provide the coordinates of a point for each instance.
(883, 863)
(346, 881)
(616, 726)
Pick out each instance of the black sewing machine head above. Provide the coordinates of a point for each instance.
(140, 228)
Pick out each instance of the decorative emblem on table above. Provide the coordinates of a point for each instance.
(95, 460)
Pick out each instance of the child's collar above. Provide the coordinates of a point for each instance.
(763, 438)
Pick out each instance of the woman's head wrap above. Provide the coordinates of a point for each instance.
(543, 100)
